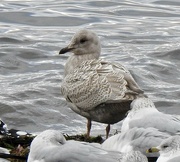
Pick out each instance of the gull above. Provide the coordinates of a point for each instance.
(169, 150)
(143, 114)
(94, 88)
(135, 139)
(51, 146)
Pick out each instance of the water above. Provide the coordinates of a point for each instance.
(143, 35)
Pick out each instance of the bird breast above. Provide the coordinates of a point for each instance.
(94, 82)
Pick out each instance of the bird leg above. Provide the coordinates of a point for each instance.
(88, 127)
(108, 130)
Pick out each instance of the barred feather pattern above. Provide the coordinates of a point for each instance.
(94, 82)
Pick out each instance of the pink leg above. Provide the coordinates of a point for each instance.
(88, 127)
(108, 130)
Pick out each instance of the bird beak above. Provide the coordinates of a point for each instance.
(69, 48)
(152, 149)
(66, 49)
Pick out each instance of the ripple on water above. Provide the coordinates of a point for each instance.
(143, 35)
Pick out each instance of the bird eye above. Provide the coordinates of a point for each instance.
(165, 146)
(83, 40)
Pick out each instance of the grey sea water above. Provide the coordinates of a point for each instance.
(143, 35)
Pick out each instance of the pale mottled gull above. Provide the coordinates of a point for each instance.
(51, 146)
(169, 150)
(135, 139)
(94, 88)
(143, 114)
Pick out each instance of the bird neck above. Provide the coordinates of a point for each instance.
(75, 60)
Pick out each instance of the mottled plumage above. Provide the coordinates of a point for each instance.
(94, 88)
